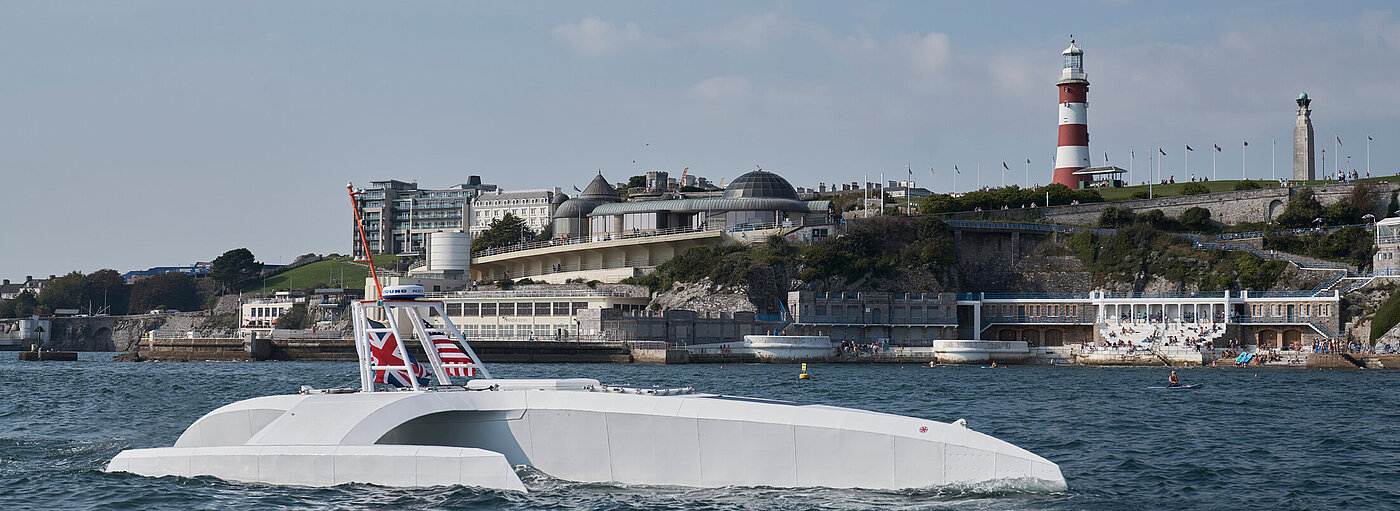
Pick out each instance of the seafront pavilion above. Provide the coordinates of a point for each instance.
(600, 238)
(1051, 319)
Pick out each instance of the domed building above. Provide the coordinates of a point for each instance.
(570, 218)
(758, 198)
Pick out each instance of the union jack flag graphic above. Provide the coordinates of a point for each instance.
(449, 353)
(384, 351)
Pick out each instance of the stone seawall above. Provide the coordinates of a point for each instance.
(1231, 207)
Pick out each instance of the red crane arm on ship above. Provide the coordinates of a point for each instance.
(364, 242)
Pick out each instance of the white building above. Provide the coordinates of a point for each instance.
(533, 206)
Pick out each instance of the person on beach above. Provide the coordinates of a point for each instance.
(1172, 380)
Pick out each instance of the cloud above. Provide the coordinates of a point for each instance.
(721, 88)
(592, 36)
(751, 32)
(927, 53)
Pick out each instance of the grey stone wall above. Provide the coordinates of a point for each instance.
(1229, 207)
(677, 326)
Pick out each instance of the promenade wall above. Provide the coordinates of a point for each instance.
(1230, 207)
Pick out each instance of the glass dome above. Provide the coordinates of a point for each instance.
(760, 184)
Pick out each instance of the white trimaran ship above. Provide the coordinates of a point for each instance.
(574, 429)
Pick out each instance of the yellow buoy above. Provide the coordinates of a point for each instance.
(804, 375)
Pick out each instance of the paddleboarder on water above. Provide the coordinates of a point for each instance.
(1172, 380)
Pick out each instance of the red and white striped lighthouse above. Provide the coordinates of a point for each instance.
(1072, 152)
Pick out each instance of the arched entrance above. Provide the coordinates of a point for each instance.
(1006, 334)
(1030, 336)
(1267, 338)
(1054, 337)
(1292, 337)
(1275, 208)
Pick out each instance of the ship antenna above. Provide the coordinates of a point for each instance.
(378, 288)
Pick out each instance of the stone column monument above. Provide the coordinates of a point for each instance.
(1303, 165)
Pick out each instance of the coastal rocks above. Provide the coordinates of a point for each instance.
(703, 297)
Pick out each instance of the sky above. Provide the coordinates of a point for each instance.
(149, 133)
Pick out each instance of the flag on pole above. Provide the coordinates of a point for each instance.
(454, 361)
(1368, 137)
(384, 351)
(1217, 148)
(576, 189)
(1164, 153)
(1028, 161)
(1188, 147)
(1339, 140)
(955, 169)
(1246, 143)
(1003, 165)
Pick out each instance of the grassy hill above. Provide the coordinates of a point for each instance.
(343, 273)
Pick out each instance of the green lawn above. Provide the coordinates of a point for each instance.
(1117, 194)
(340, 273)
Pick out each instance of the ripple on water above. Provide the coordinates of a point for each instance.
(1286, 439)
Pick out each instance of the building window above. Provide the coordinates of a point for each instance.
(488, 309)
(506, 309)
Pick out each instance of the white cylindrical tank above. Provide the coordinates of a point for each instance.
(449, 250)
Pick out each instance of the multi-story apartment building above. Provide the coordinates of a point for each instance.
(398, 215)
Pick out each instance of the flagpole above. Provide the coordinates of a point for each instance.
(1132, 155)
(1185, 157)
(1337, 156)
(979, 174)
(1213, 175)
(955, 178)
(1273, 158)
(1368, 154)
(1150, 177)
(1242, 149)
(1028, 165)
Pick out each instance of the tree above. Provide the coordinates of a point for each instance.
(167, 290)
(637, 182)
(1111, 217)
(294, 318)
(22, 305)
(65, 292)
(106, 287)
(503, 231)
(1196, 219)
(1301, 210)
(234, 267)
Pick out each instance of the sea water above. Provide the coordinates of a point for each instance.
(1249, 439)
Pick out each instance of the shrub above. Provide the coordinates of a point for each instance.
(1194, 189)
(1141, 194)
(1196, 219)
(1247, 184)
(1111, 217)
